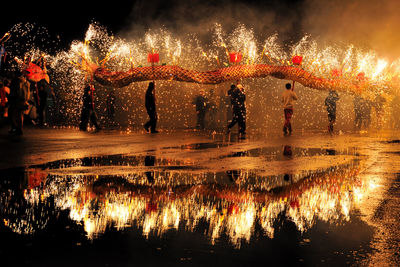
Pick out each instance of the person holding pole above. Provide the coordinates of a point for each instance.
(288, 98)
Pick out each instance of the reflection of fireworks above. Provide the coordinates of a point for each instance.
(327, 196)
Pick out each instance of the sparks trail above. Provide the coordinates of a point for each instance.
(232, 73)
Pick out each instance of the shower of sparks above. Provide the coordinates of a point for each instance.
(70, 69)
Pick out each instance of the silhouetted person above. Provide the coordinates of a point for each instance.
(41, 101)
(378, 104)
(358, 103)
(212, 109)
(288, 98)
(18, 102)
(110, 103)
(239, 108)
(330, 103)
(4, 95)
(366, 107)
(88, 111)
(150, 103)
(201, 108)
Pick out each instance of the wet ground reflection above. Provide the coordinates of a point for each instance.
(162, 194)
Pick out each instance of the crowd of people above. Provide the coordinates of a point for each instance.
(21, 99)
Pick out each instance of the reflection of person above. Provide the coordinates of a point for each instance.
(149, 161)
(330, 103)
(239, 109)
(201, 107)
(287, 151)
(233, 175)
(288, 98)
(150, 103)
(88, 112)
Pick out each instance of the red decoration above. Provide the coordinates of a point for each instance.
(294, 204)
(153, 58)
(35, 178)
(233, 209)
(336, 73)
(361, 76)
(297, 60)
(34, 73)
(235, 57)
(151, 207)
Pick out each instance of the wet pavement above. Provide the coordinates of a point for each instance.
(189, 198)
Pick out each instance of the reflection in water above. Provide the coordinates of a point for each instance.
(120, 202)
(149, 161)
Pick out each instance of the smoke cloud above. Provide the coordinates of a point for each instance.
(371, 24)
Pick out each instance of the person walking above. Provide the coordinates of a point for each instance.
(288, 98)
(358, 113)
(88, 112)
(330, 103)
(150, 103)
(41, 101)
(201, 108)
(378, 104)
(4, 94)
(110, 105)
(18, 103)
(238, 99)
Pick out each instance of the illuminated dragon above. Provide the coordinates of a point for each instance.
(227, 74)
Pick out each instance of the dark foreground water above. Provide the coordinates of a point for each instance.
(276, 205)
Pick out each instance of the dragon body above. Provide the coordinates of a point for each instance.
(232, 73)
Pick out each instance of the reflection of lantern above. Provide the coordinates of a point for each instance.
(297, 60)
(235, 57)
(294, 204)
(336, 73)
(233, 209)
(35, 178)
(151, 207)
(153, 58)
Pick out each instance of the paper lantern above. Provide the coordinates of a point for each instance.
(336, 73)
(153, 58)
(361, 76)
(297, 60)
(235, 57)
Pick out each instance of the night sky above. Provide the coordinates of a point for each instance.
(70, 19)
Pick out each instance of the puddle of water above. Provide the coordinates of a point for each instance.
(158, 195)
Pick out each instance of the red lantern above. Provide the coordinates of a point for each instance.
(233, 209)
(361, 76)
(297, 60)
(153, 58)
(151, 207)
(235, 57)
(336, 73)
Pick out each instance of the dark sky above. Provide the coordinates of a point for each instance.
(70, 19)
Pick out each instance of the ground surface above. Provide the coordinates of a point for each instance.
(195, 198)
